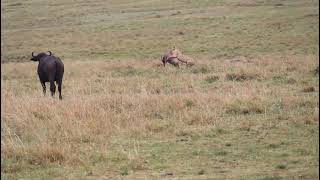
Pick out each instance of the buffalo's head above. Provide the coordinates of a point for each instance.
(39, 56)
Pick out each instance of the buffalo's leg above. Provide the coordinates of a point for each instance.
(52, 88)
(163, 61)
(43, 88)
(59, 89)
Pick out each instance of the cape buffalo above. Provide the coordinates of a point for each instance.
(50, 69)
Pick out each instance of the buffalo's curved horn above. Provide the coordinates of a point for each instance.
(50, 53)
(32, 54)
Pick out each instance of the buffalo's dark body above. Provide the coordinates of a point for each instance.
(169, 58)
(50, 69)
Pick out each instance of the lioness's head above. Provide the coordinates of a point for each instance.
(175, 52)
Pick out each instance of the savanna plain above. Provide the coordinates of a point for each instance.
(247, 109)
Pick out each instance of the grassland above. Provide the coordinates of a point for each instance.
(248, 109)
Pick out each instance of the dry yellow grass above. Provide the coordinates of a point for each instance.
(247, 109)
(125, 99)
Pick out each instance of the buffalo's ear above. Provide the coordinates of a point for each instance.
(50, 53)
(34, 59)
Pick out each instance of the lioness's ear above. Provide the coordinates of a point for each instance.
(174, 48)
